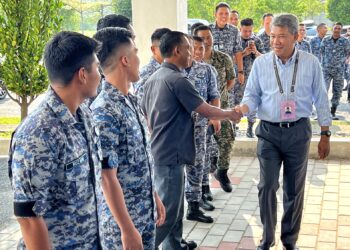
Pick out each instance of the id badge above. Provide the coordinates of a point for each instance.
(288, 110)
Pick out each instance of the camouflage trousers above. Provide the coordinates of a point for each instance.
(212, 151)
(347, 73)
(225, 139)
(194, 173)
(238, 90)
(336, 75)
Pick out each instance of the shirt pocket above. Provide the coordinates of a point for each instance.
(77, 178)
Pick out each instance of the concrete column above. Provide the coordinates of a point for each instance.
(148, 15)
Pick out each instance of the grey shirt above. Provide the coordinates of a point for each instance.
(168, 101)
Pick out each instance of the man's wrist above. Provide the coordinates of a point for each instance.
(240, 72)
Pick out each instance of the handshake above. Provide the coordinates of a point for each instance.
(237, 113)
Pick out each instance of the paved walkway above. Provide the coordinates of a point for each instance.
(325, 224)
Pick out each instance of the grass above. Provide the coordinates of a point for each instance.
(9, 120)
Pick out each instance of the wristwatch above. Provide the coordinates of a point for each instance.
(240, 72)
(327, 133)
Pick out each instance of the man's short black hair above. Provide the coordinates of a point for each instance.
(338, 23)
(302, 24)
(113, 20)
(222, 5)
(66, 53)
(112, 39)
(202, 27)
(169, 41)
(235, 11)
(247, 22)
(320, 25)
(158, 33)
(197, 39)
(267, 15)
(194, 26)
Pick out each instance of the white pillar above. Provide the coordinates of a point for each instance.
(148, 15)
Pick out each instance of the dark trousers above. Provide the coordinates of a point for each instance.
(289, 146)
(169, 183)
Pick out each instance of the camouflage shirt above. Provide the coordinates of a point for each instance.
(56, 173)
(334, 54)
(249, 60)
(265, 38)
(145, 72)
(205, 81)
(125, 147)
(227, 39)
(303, 45)
(224, 67)
(315, 44)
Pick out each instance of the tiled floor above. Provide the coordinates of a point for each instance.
(325, 224)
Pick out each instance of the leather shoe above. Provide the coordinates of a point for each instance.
(206, 205)
(290, 247)
(190, 244)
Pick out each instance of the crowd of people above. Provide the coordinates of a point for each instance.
(107, 159)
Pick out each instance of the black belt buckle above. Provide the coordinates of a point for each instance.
(285, 124)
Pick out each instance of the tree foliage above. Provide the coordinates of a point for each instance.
(122, 7)
(25, 28)
(256, 8)
(338, 11)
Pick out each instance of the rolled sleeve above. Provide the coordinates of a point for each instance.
(33, 177)
(109, 128)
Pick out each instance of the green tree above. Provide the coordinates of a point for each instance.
(123, 7)
(338, 11)
(25, 28)
(70, 19)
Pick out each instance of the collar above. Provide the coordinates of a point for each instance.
(116, 95)
(153, 61)
(170, 66)
(60, 109)
(217, 27)
(289, 61)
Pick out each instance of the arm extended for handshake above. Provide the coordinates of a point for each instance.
(215, 113)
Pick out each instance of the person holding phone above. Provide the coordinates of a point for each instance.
(252, 48)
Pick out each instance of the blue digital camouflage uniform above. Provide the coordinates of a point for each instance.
(334, 55)
(226, 40)
(315, 44)
(303, 45)
(56, 167)
(247, 66)
(125, 147)
(223, 65)
(145, 72)
(205, 81)
(265, 38)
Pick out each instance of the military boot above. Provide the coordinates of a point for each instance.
(250, 133)
(333, 110)
(206, 193)
(213, 164)
(194, 213)
(206, 205)
(225, 183)
(190, 244)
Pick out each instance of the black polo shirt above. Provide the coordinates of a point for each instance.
(168, 102)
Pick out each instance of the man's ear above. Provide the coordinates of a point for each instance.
(124, 60)
(81, 74)
(176, 51)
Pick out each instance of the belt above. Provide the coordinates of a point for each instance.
(285, 124)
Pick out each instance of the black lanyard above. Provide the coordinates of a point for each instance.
(292, 88)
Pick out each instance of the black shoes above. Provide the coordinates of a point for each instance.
(194, 213)
(290, 247)
(206, 205)
(333, 110)
(190, 244)
(206, 193)
(250, 133)
(225, 183)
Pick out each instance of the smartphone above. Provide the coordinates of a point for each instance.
(251, 43)
(211, 129)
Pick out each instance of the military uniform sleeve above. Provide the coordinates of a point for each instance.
(230, 73)
(260, 46)
(237, 42)
(213, 92)
(34, 166)
(110, 129)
